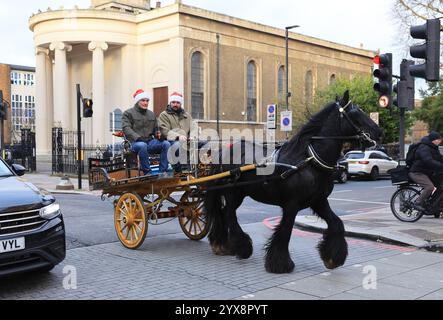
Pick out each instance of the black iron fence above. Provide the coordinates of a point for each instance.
(65, 152)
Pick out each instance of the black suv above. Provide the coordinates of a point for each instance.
(32, 231)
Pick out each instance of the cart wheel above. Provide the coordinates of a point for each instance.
(130, 221)
(194, 222)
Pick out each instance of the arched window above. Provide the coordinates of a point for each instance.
(251, 107)
(281, 83)
(198, 86)
(115, 120)
(309, 84)
(332, 79)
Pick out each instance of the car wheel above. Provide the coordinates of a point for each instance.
(343, 178)
(374, 173)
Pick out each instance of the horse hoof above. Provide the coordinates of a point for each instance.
(220, 250)
(330, 264)
(280, 269)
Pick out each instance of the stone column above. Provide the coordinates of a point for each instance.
(176, 65)
(61, 84)
(43, 131)
(101, 117)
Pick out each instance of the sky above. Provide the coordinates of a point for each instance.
(349, 22)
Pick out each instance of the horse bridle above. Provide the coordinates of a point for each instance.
(360, 136)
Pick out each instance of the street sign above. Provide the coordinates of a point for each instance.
(272, 116)
(286, 121)
(375, 116)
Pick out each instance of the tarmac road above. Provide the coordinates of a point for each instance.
(90, 221)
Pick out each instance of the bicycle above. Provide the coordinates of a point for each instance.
(403, 201)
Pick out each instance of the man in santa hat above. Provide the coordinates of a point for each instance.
(175, 126)
(141, 129)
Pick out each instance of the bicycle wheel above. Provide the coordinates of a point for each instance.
(402, 204)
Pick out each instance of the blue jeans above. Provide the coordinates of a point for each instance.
(143, 149)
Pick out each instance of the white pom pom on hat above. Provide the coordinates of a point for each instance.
(177, 97)
(140, 95)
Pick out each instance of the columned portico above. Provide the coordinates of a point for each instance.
(61, 84)
(98, 91)
(43, 136)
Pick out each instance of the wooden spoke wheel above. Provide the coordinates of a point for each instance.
(193, 221)
(130, 220)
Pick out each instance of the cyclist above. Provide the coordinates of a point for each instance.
(427, 162)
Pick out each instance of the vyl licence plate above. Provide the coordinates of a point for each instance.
(11, 245)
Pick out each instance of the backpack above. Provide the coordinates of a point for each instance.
(410, 156)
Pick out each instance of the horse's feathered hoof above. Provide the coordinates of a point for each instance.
(333, 251)
(221, 250)
(330, 264)
(242, 246)
(280, 268)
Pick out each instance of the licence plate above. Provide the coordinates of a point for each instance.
(12, 245)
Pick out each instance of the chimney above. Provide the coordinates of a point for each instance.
(158, 5)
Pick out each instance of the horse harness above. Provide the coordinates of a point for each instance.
(235, 174)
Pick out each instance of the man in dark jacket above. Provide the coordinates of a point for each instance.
(427, 162)
(141, 129)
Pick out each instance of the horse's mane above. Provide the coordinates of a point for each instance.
(301, 140)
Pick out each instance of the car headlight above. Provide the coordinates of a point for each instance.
(50, 212)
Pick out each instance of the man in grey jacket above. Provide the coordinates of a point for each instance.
(141, 129)
(176, 126)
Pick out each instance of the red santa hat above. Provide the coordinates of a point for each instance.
(140, 95)
(178, 97)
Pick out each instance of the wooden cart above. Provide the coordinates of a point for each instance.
(140, 201)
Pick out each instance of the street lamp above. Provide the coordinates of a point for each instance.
(287, 65)
(288, 94)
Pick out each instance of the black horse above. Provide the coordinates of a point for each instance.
(314, 151)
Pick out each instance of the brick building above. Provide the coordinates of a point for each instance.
(116, 47)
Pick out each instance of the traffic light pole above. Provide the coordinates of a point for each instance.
(79, 137)
(402, 133)
(288, 94)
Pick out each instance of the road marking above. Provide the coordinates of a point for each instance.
(386, 187)
(358, 201)
(342, 191)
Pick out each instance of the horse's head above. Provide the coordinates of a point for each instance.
(356, 122)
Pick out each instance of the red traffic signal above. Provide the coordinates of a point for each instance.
(384, 75)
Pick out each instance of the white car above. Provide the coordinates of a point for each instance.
(369, 163)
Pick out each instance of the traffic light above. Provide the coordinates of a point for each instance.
(3, 107)
(401, 89)
(384, 75)
(87, 108)
(429, 51)
(405, 88)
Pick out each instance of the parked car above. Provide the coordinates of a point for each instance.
(341, 173)
(32, 231)
(369, 163)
